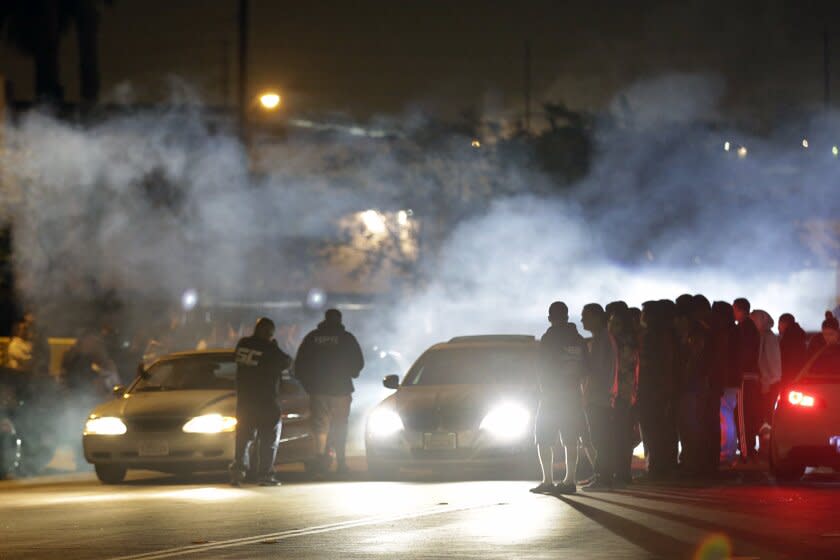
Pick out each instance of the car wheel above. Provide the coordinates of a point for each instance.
(380, 471)
(110, 474)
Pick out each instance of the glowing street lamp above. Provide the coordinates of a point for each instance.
(835, 151)
(270, 100)
(805, 143)
(742, 152)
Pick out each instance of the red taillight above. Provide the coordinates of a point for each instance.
(798, 398)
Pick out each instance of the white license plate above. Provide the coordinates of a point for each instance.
(153, 449)
(440, 440)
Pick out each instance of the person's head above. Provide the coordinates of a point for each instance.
(264, 328)
(741, 307)
(332, 317)
(558, 313)
(786, 320)
(621, 325)
(614, 307)
(831, 329)
(593, 317)
(723, 313)
(651, 314)
(700, 307)
(763, 321)
(635, 317)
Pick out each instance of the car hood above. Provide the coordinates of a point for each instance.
(169, 404)
(453, 407)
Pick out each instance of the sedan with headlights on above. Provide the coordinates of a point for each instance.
(178, 416)
(469, 402)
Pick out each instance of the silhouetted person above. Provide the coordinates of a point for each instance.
(769, 363)
(749, 343)
(615, 306)
(259, 367)
(830, 326)
(599, 371)
(624, 393)
(793, 344)
(559, 413)
(656, 387)
(722, 372)
(328, 360)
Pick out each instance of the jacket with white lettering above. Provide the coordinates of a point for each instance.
(328, 360)
(259, 366)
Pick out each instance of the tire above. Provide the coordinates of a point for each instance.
(380, 471)
(110, 474)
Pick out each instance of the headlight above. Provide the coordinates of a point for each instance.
(104, 426)
(210, 424)
(384, 422)
(507, 421)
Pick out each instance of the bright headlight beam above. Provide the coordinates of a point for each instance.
(105, 426)
(384, 422)
(506, 421)
(210, 424)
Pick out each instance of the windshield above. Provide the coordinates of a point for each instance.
(827, 363)
(475, 366)
(194, 373)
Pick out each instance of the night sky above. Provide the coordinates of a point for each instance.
(368, 57)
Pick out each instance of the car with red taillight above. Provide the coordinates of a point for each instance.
(806, 421)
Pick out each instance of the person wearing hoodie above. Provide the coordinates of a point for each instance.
(769, 362)
(830, 328)
(793, 344)
(328, 360)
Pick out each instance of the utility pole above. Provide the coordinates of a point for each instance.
(243, 67)
(527, 85)
(827, 67)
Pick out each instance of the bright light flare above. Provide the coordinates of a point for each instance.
(374, 221)
(507, 421)
(270, 100)
(835, 151)
(105, 426)
(402, 218)
(742, 152)
(189, 300)
(798, 398)
(476, 143)
(726, 146)
(805, 143)
(384, 422)
(210, 424)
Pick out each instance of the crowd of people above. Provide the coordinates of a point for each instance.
(663, 368)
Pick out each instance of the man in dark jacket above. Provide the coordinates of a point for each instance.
(793, 344)
(560, 412)
(259, 366)
(328, 360)
(749, 342)
(599, 371)
(656, 389)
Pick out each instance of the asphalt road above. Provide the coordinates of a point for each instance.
(152, 517)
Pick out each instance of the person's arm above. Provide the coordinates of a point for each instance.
(303, 361)
(357, 360)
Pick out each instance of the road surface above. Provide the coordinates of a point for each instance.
(155, 516)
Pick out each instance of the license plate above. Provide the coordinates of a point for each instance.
(153, 449)
(440, 440)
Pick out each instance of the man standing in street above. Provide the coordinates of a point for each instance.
(560, 410)
(328, 360)
(259, 366)
(749, 401)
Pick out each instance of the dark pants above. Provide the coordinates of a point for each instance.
(656, 420)
(691, 411)
(266, 430)
(753, 411)
(623, 436)
(711, 432)
(600, 420)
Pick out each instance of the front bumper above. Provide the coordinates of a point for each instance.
(468, 448)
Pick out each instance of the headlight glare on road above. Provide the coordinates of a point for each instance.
(384, 422)
(506, 421)
(210, 424)
(104, 426)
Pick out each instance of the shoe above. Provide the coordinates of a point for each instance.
(565, 488)
(342, 470)
(269, 481)
(598, 485)
(544, 488)
(236, 477)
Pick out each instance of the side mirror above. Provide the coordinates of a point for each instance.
(391, 382)
(118, 390)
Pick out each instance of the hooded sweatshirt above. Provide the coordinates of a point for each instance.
(328, 360)
(769, 354)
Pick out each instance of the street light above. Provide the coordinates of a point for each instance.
(270, 100)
